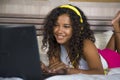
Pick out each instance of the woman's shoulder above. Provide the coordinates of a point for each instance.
(88, 42)
(89, 46)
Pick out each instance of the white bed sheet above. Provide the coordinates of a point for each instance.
(114, 74)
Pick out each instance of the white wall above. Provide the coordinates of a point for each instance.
(42, 7)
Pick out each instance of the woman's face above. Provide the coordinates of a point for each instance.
(63, 29)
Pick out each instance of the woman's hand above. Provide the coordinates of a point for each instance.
(116, 20)
(44, 67)
(58, 67)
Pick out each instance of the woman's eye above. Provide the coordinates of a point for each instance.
(67, 26)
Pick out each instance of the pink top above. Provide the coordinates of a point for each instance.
(112, 57)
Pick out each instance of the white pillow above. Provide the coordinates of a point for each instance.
(102, 38)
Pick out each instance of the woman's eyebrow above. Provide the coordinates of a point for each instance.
(67, 24)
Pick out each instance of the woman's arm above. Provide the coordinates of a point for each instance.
(93, 59)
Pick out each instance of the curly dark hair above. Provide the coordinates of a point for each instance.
(81, 31)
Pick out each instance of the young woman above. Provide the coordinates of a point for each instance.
(70, 42)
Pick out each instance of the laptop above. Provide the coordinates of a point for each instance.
(19, 54)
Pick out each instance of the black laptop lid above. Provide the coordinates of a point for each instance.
(19, 55)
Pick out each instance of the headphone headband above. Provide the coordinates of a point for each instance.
(74, 9)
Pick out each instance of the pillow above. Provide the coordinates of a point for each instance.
(112, 57)
(102, 38)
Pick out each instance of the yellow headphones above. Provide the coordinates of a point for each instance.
(74, 9)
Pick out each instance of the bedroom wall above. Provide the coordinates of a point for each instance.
(42, 7)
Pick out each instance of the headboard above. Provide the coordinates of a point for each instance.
(97, 23)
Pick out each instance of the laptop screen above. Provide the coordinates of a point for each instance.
(19, 55)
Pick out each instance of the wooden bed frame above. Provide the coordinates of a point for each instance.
(97, 23)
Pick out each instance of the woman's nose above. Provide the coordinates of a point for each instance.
(60, 29)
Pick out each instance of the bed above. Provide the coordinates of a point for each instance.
(114, 74)
(102, 30)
